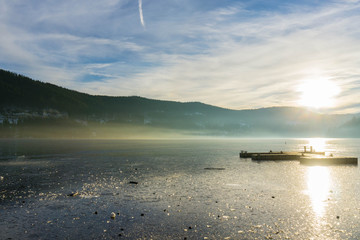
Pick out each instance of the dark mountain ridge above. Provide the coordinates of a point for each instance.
(24, 101)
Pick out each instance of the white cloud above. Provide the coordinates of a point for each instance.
(141, 14)
(263, 72)
(230, 56)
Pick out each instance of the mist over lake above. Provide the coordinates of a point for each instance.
(157, 119)
(34, 109)
(174, 189)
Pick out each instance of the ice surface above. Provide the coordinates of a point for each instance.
(69, 189)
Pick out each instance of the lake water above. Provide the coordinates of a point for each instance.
(177, 195)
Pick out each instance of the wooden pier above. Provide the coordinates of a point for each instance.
(305, 157)
(245, 154)
(276, 157)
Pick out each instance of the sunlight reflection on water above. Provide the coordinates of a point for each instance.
(318, 183)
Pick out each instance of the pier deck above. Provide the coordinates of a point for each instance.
(306, 158)
(276, 157)
(273, 155)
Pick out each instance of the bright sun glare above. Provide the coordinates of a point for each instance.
(319, 182)
(318, 144)
(318, 93)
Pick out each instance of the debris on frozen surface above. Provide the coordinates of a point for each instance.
(73, 194)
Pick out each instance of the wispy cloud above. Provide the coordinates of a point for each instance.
(229, 55)
(141, 14)
(263, 67)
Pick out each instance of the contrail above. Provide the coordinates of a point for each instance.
(141, 14)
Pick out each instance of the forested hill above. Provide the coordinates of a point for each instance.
(20, 91)
(25, 102)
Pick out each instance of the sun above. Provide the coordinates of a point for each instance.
(318, 93)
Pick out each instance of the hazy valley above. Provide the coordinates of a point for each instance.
(30, 108)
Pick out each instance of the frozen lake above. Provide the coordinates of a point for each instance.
(167, 189)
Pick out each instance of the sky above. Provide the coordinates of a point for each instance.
(232, 54)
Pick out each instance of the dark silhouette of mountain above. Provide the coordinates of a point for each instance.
(20, 91)
(25, 103)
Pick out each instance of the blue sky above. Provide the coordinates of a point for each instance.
(233, 54)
